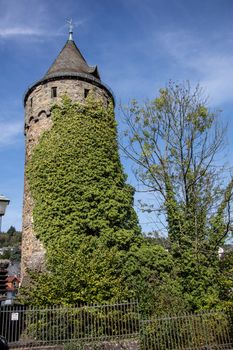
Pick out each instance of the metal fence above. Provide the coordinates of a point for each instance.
(31, 326)
(113, 326)
(206, 331)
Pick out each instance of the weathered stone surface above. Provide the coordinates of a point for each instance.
(37, 120)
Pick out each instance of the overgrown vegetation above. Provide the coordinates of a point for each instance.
(83, 214)
(174, 141)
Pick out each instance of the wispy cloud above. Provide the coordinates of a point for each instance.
(203, 60)
(9, 133)
(18, 19)
(15, 31)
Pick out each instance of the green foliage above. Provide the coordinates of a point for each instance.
(149, 271)
(205, 330)
(84, 215)
(226, 278)
(174, 140)
(11, 230)
(11, 241)
(6, 254)
(11, 238)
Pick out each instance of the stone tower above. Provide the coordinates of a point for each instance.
(68, 75)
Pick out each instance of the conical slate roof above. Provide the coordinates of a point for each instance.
(70, 64)
(70, 60)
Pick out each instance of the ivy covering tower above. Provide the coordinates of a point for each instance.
(83, 212)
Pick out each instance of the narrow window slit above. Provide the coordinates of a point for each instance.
(54, 91)
(86, 92)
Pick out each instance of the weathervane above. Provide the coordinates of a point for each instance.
(69, 22)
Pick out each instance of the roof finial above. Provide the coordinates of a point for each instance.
(69, 22)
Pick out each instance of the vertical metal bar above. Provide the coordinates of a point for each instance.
(68, 327)
(87, 321)
(20, 323)
(174, 327)
(219, 328)
(34, 319)
(103, 322)
(222, 336)
(228, 329)
(179, 328)
(107, 309)
(186, 337)
(195, 331)
(52, 320)
(13, 324)
(206, 328)
(160, 333)
(124, 332)
(118, 314)
(62, 309)
(170, 334)
(16, 330)
(166, 333)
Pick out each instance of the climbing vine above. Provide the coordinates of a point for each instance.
(83, 212)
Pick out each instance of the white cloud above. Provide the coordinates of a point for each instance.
(9, 133)
(29, 18)
(18, 18)
(13, 31)
(203, 60)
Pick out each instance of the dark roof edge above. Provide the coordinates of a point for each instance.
(69, 75)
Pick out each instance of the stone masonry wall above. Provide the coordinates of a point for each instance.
(37, 120)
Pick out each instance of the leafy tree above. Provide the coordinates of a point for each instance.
(150, 272)
(15, 254)
(174, 141)
(6, 254)
(11, 230)
(11, 238)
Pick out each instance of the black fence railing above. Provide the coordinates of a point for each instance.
(113, 326)
(205, 331)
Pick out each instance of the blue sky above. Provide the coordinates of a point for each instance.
(137, 45)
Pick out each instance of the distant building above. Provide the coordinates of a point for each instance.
(12, 286)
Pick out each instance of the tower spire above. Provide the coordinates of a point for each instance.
(70, 24)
